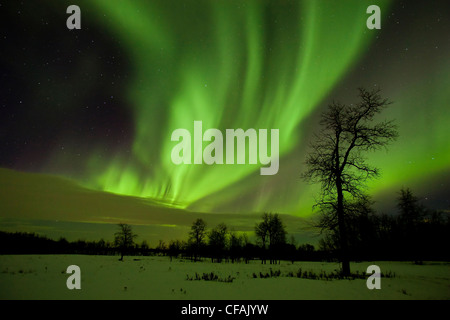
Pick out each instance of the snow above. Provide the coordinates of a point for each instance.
(104, 277)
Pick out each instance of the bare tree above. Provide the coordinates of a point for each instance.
(270, 232)
(174, 249)
(124, 239)
(337, 159)
(197, 235)
(161, 247)
(412, 215)
(235, 246)
(262, 231)
(410, 210)
(218, 241)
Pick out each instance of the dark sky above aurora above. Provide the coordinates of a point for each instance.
(98, 106)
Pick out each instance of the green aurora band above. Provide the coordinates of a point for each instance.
(236, 64)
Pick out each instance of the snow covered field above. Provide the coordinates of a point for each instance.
(104, 277)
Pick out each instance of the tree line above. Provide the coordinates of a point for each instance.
(221, 243)
(32, 243)
(217, 244)
(414, 233)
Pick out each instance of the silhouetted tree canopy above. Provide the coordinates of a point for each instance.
(197, 235)
(271, 234)
(124, 239)
(218, 241)
(337, 160)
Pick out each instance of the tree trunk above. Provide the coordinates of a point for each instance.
(342, 230)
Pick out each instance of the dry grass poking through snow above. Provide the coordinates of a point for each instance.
(104, 277)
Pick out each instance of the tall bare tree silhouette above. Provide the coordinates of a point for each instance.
(337, 160)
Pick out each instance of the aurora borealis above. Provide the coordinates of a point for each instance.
(98, 105)
(253, 84)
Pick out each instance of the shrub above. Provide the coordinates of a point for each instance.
(211, 276)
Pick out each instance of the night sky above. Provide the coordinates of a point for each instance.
(86, 115)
